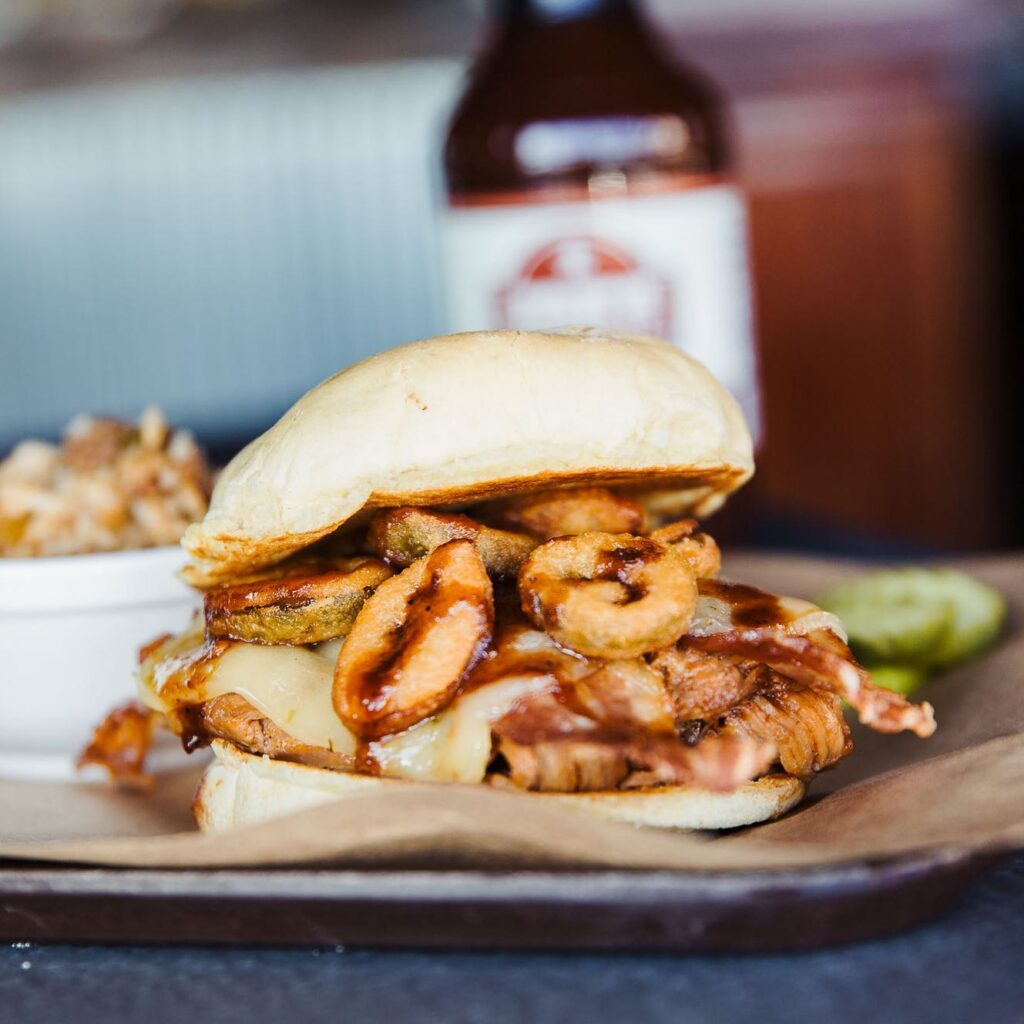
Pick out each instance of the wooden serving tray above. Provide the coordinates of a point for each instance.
(956, 800)
(599, 910)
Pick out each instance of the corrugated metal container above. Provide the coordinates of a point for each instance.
(214, 244)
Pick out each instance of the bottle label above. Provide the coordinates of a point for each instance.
(672, 264)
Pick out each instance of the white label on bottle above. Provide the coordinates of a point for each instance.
(672, 264)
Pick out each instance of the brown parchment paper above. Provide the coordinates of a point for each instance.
(960, 791)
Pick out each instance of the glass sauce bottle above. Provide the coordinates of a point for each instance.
(588, 182)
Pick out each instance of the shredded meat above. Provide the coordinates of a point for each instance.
(233, 718)
(718, 763)
(549, 745)
(819, 665)
(564, 765)
(626, 693)
(704, 685)
(120, 744)
(805, 724)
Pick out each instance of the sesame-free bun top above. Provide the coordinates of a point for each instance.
(465, 417)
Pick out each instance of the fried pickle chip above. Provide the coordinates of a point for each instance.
(306, 604)
(697, 547)
(550, 514)
(414, 641)
(401, 535)
(608, 595)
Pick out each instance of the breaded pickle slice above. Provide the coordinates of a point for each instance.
(306, 605)
(402, 535)
(926, 617)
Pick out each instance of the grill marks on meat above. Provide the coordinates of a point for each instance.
(233, 718)
(806, 725)
(819, 664)
(743, 698)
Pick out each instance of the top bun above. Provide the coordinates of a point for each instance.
(470, 416)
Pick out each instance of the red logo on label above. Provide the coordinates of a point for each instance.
(586, 280)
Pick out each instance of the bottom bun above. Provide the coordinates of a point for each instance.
(244, 789)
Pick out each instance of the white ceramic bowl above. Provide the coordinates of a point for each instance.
(70, 630)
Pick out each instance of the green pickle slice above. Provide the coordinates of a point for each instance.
(893, 615)
(917, 617)
(979, 618)
(903, 679)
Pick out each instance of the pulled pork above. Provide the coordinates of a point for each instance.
(120, 744)
(805, 725)
(587, 660)
(546, 745)
(818, 665)
(233, 718)
(704, 685)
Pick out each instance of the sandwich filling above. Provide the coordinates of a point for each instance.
(557, 641)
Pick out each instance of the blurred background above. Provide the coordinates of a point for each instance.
(212, 204)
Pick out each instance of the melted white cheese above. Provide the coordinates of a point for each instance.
(290, 685)
(329, 649)
(455, 746)
(797, 617)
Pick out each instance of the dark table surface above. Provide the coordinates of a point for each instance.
(967, 966)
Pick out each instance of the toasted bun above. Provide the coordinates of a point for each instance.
(471, 416)
(244, 789)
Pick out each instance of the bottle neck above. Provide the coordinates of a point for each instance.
(540, 11)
